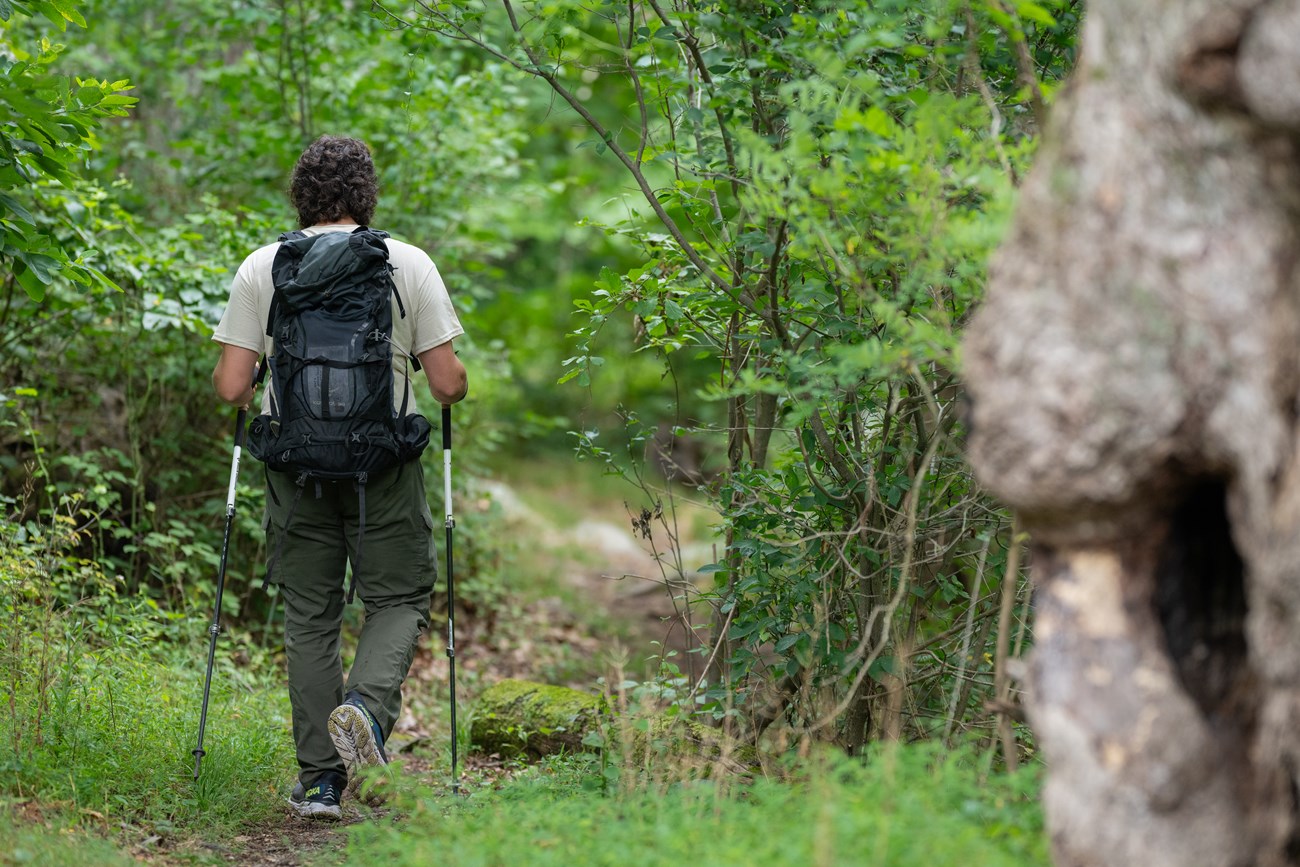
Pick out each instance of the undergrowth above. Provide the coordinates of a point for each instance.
(55, 844)
(905, 805)
(99, 702)
(100, 697)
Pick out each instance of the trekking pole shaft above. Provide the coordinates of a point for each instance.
(214, 629)
(451, 585)
(451, 660)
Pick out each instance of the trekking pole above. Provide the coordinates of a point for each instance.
(215, 628)
(451, 585)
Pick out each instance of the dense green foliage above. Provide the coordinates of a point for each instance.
(820, 184)
(47, 122)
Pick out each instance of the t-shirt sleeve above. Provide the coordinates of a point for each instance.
(241, 324)
(433, 320)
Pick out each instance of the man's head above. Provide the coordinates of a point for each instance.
(334, 180)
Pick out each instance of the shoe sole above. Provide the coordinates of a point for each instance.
(317, 811)
(354, 741)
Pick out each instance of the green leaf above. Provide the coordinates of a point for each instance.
(34, 288)
(56, 170)
(42, 266)
(1034, 12)
(789, 641)
(743, 630)
(69, 11)
(879, 122)
(16, 209)
(88, 96)
(56, 17)
(882, 665)
(100, 278)
(608, 279)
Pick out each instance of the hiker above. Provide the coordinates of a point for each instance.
(318, 521)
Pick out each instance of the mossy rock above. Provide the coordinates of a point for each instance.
(517, 717)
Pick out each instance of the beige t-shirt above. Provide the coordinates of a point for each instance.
(430, 319)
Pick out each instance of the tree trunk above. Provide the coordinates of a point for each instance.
(1135, 375)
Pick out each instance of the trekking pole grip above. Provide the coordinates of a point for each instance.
(446, 426)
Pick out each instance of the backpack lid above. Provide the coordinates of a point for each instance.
(309, 267)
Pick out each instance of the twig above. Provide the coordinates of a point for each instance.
(1001, 680)
(968, 632)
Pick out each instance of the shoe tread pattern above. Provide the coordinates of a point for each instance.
(354, 740)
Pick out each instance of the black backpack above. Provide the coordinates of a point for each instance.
(331, 322)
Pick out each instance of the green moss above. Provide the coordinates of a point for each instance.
(516, 717)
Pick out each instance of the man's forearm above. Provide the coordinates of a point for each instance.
(232, 379)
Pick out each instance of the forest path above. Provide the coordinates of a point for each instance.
(618, 558)
(602, 593)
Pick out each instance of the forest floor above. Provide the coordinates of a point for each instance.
(568, 579)
(596, 602)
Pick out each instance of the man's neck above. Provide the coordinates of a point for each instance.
(346, 221)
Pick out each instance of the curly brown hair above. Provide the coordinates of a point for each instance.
(333, 180)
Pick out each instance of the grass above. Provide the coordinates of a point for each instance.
(99, 710)
(910, 805)
(111, 733)
(54, 843)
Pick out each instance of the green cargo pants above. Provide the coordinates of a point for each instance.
(394, 580)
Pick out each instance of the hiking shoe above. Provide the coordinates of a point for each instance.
(357, 739)
(321, 799)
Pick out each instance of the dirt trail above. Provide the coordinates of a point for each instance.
(637, 579)
(609, 565)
